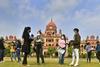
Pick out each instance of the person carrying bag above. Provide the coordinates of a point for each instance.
(62, 49)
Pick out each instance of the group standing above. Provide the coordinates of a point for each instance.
(16, 48)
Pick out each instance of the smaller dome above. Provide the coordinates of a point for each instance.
(92, 37)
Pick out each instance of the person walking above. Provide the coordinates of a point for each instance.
(76, 47)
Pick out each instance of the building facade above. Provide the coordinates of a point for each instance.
(90, 39)
(51, 36)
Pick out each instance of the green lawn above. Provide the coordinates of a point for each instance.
(49, 63)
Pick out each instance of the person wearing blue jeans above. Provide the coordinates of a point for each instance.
(13, 56)
(18, 54)
(61, 58)
(62, 49)
(1, 55)
(13, 51)
(18, 48)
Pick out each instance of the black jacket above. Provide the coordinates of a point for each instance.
(77, 41)
(2, 45)
(38, 42)
(27, 43)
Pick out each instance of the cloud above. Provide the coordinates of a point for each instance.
(58, 10)
(4, 3)
(88, 20)
(25, 11)
(86, 16)
(66, 14)
(7, 28)
(61, 5)
(52, 9)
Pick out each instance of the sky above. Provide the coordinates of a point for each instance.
(67, 15)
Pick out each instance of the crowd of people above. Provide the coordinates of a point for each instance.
(16, 47)
(89, 50)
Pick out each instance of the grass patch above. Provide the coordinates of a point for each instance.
(49, 62)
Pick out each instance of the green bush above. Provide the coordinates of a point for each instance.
(51, 51)
(70, 51)
(83, 55)
(7, 52)
(93, 54)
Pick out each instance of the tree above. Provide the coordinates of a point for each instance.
(70, 51)
(51, 51)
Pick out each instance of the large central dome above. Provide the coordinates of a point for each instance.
(51, 28)
(51, 25)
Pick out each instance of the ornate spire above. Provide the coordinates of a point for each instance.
(51, 26)
(60, 31)
(97, 38)
(51, 20)
(87, 38)
(51, 23)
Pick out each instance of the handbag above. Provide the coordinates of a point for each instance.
(60, 50)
